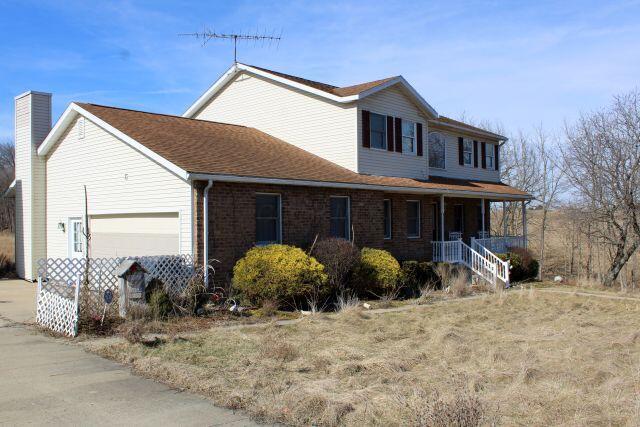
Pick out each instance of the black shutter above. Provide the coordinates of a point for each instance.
(389, 133)
(483, 153)
(497, 151)
(475, 154)
(366, 129)
(398, 135)
(419, 138)
(460, 151)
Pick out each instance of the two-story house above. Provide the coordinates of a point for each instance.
(261, 157)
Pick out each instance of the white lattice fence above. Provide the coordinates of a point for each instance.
(98, 274)
(56, 311)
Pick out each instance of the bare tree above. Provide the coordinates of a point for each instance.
(7, 173)
(548, 174)
(602, 160)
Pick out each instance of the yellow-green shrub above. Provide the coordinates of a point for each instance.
(278, 272)
(377, 272)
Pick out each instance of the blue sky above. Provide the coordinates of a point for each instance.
(520, 63)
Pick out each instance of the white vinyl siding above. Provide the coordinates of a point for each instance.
(32, 124)
(119, 179)
(453, 167)
(392, 102)
(321, 127)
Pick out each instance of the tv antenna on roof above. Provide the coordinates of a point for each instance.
(206, 35)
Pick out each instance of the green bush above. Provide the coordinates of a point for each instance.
(377, 272)
(280, 273)
(160, 306)
(415, 275)
(523, 265)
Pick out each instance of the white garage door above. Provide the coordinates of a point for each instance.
(134, 235)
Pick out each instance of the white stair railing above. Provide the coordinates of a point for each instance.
(456, 251)
(502, 267)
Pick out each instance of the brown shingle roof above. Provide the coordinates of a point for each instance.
(474, 129)
(205, 147)
(335, 90)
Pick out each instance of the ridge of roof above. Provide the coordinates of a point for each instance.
(332, 89)
(83, 104)
(452, 122)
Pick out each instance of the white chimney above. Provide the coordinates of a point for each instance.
(32, 125)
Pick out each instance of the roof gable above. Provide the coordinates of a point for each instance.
(332, 93)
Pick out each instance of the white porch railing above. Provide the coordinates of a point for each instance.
(456, 251)
(501, 244)
(502, 267)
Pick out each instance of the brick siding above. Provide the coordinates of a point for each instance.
(305, 214)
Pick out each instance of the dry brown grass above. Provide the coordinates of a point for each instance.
(520, 357)
(7, 246)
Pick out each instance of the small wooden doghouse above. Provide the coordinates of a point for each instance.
(132, 277)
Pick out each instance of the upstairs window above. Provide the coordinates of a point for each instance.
(408, 137)
(413, 218)
(340, 217)
(468, 152)
(268, 219)
(436, 150)
(387, 219)
(490, 156)
(378, 131)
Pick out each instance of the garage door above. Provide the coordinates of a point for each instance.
(134, 234)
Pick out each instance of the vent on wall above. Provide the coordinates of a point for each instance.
(81, 128)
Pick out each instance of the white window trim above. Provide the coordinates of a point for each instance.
(386, 147)
(444, 151)
(464, 160)
(419, 235)
(415, 139)
(390, 236)
(70, 241)
(348, 213)
(279, 241)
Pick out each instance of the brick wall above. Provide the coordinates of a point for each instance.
(305, 214)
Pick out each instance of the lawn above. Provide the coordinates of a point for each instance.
(523, 357)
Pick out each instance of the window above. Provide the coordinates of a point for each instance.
(387, 219)
(378, 129)
(77, 236)
(413, 218)
(268, 219)
(468, 152)
(408, 137)
(436, 150)
(489, 155)
(340, 225)
(458, 216)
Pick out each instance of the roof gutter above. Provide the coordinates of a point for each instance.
(373, 187)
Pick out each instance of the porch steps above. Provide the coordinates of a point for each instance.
(481, 261)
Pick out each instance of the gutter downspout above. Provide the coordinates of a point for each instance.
(205, 232)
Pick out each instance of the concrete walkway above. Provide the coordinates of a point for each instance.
(51, 381)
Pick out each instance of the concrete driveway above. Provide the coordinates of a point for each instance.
(51, 381)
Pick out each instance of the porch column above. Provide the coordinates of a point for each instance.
(442, 217)
(482, 213)
(524, 223)
(504, 218)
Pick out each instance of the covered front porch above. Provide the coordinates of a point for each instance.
(462, 235)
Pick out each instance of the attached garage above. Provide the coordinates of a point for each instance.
(134, 234)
